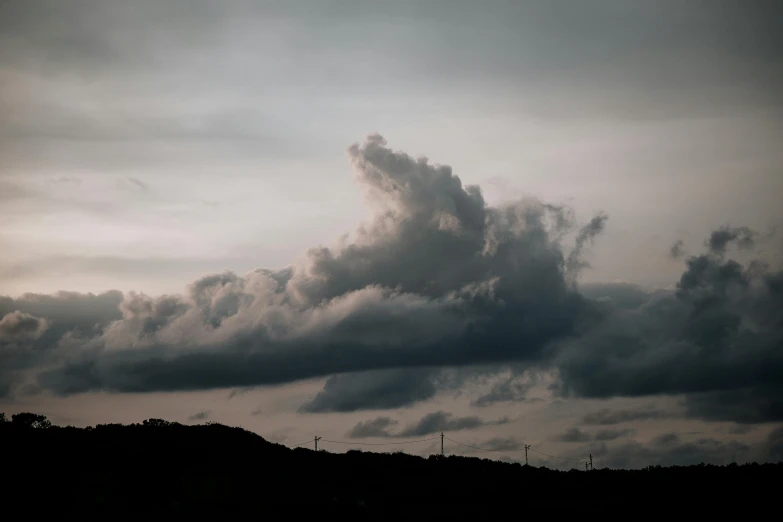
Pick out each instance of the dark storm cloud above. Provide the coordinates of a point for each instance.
(68, 311)
(720, 239)
(716, 339)
(384, 389)
(762, 402)
(444, 421)
(436, 278)
(20, 333)
(431, 423)
(32, 325)
(608, 417)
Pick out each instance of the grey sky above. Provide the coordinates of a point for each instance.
(147, 144)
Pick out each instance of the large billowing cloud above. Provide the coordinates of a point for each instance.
(436, 278)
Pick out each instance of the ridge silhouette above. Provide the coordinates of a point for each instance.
(164, 468)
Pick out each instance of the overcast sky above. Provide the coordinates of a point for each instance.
(233, 196)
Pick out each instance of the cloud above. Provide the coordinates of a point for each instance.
(33, 325)
(670, 450)
(508, 390)
(443, 421)
(479, 285)
(715, 339)
(775, 445)
(435, 278)
(608, 417)
(66, 180)
(20, 333)
(431, 423)
(721, 238)
(200, 416)
(612, 434)
(382, 389)
(677, 251)
(575, 262)
(138, 184)
(573, 435)
(378, 427)
(19, 326)
(762, 402)
(741, 429)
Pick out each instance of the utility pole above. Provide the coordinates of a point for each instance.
(441, 444)
(527, 447)
(585, 465)
(316, 439)
(591, 462)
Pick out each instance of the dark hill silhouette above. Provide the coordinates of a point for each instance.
(166, 469)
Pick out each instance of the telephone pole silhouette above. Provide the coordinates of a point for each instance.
(441, 444)
(316, 439)
(527, 447)
(591, 462)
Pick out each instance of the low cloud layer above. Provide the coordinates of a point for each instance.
(576, 434)
(508, 390)
(434, 422)
(434, 279)
(672, 450)
(608, 417)
(383, 389)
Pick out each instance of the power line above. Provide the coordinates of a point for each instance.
(396, 443)
(555, 456)
(477, 448)
(297, 445)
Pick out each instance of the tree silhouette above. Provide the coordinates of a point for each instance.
(30, 420)
(158, 423)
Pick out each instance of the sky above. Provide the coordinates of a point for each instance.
(553, 223)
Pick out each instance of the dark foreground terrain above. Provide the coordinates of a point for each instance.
(166, 470)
